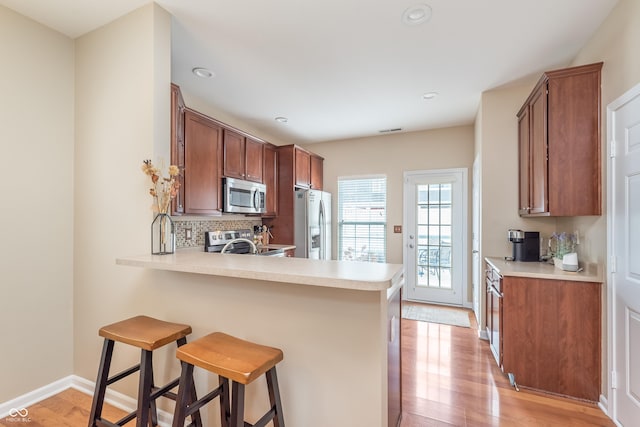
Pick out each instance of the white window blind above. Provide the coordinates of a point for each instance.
(362, 219)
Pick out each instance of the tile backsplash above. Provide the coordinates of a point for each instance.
(199, 225)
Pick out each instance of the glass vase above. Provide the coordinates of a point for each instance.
(163, 235)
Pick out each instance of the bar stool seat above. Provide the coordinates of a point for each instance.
(235, 360)
(148, 334)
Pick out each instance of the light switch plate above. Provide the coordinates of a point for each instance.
(187, 234)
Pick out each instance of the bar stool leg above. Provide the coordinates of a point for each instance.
(186, 378)
(274, 397)
(101, 382)
(144, 388)
(237, 408)
(225, 405)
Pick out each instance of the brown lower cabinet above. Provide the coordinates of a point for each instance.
(551, 335)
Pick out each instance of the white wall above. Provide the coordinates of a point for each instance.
(122, 117)
(36, 255)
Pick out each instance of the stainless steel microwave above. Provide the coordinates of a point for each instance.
(244, 196)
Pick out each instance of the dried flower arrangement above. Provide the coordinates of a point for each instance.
(164, 189)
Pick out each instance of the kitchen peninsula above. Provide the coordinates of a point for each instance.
(337, 323)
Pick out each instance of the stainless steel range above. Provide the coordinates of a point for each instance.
(215, 241)
(236, 242)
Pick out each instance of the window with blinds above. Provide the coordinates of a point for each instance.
(362, 219)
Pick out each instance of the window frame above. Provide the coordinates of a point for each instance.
(376, 239)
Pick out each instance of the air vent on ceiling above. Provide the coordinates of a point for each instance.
(390, 130)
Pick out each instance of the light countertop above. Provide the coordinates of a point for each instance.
(333, 274)
(542, 270)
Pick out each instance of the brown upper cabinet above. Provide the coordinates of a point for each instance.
(559, 144)
(242, 157)
(203, 164)
(177, 144)
(306, 167)
(316, 174)
(269, 179)
(296, 167)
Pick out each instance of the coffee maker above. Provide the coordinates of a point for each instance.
(526, 245)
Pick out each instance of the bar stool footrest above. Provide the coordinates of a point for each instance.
(195, 406)
(123, 374)
(264, 420)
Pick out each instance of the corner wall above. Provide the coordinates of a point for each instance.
(122, 117)
(36, 255)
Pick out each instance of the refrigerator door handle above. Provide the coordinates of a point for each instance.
(323, 230)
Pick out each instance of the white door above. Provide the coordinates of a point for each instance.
(435, 236)
(623, 125)
(475, 240)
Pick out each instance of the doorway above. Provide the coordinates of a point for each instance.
(435, 206)
(623, 270)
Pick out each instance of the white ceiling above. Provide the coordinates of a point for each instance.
(349, 68)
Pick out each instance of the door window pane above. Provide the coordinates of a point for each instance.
(433, 213)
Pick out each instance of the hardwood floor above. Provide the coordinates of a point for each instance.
(449, 379)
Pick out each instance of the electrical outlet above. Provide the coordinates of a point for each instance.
(397, 229)
(187, 234)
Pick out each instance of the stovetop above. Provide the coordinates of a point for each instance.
(214, 241)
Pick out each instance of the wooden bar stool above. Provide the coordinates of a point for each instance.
(233, 360)
(147, 334)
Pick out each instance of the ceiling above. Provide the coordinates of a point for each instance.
(339, 69)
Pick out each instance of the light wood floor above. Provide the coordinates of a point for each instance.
(449, 379)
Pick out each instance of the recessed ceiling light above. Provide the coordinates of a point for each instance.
(416, 14)
(281, 119)
(202, 72)
(430, 95)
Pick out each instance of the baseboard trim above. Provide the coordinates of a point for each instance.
(35, 396)
(482, 334)
(113, 398)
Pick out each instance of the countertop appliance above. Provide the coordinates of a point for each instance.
(244, 196)
(215, 241)
(526, 245)
(312, 224)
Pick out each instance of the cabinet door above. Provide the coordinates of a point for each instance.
(234, 155)
(316, 172)
(177, 145)
(394, 359)
(303, 168)
(203, 171)
(551, 338)
(574, 139)
(269, 178)
(523, 161)
(253, 160)
(538, 175)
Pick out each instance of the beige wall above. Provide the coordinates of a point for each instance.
(499, 158)
(122, 117)
(496, 147)
(36, 255)
(616, 44)
(392, 155)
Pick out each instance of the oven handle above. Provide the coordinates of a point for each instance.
(495, 292)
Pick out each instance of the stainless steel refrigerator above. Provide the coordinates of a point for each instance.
(312, 224)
